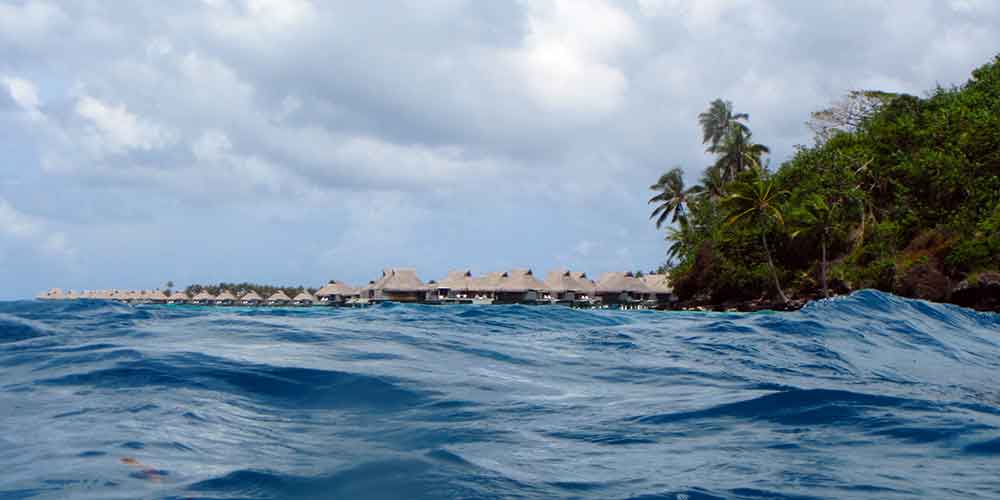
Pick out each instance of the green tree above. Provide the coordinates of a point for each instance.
(738, 153)
(819, 219)
(718, 121)
(671, 197)
(680, 238)
(756, 203)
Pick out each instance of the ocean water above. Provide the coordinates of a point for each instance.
(866, 396)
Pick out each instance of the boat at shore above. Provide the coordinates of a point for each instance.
(620, 290)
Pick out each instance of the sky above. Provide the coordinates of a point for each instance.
(298, 141)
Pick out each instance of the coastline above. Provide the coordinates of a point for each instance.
(982, 296)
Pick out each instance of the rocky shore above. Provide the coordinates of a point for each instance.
(980, 292)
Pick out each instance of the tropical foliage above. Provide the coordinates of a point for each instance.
(894, 188)
(239, 289)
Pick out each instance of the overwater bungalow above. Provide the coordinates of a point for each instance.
(483, 289)
(203, 298)
(663, 290)
(453, 288)
(156, 297)
(362, 296)
(53, 294)
(251, 298)
(335, 293)
(518, 286)
(561, 288)
(278, 298)
(398, 285)
(225, 298)
(305, 299)
(178, 297)
(621, 289)
(586, 286)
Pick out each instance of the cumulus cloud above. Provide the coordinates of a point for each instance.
(116, 130)
(18, 227)
(23, 93)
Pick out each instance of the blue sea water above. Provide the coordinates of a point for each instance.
(866, 396)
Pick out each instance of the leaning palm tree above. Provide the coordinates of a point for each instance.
(757, 202)
(671, 197)
(718, 121)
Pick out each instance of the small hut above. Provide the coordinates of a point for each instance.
(251, 298)
(453, 288)
(622, 289)
(225, 298)
(278, 298)
(663, 290)
(586, 285)
(399, 285)
(156, 297)
(335, 293)
(484, 289)
(519, 286)
(304, 299)
(178, 298)
(203, 298)
(53, 294)
(561, 288)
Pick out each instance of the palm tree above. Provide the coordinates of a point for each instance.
(712, 185)
(671, 196)
(757, 202)
(738, 153)
(818, 218)
(680, 239)
(718, 121)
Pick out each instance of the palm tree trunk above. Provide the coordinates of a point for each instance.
(774, 272)
(822, 268)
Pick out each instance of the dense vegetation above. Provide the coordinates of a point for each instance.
(239, 289)
(898, 193)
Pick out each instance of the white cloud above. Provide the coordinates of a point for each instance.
(29, 22)
(24, 94)
(258, 19)
(117, 130)
(568, 58)
(17, 226)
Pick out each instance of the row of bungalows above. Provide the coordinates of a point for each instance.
(518, 286)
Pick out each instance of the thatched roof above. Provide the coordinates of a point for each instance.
(226, 295)
(156, 295)
(659, 283)
(336, 288)
(583, 283)
(520, 280)
(179, 295)
(279, 296)
(304, 296)
(456, 280)
(52, 294)
(560, 281)
(489, 283)
(203, 295)
(400, 279)
(251, 296)
(621, 282)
